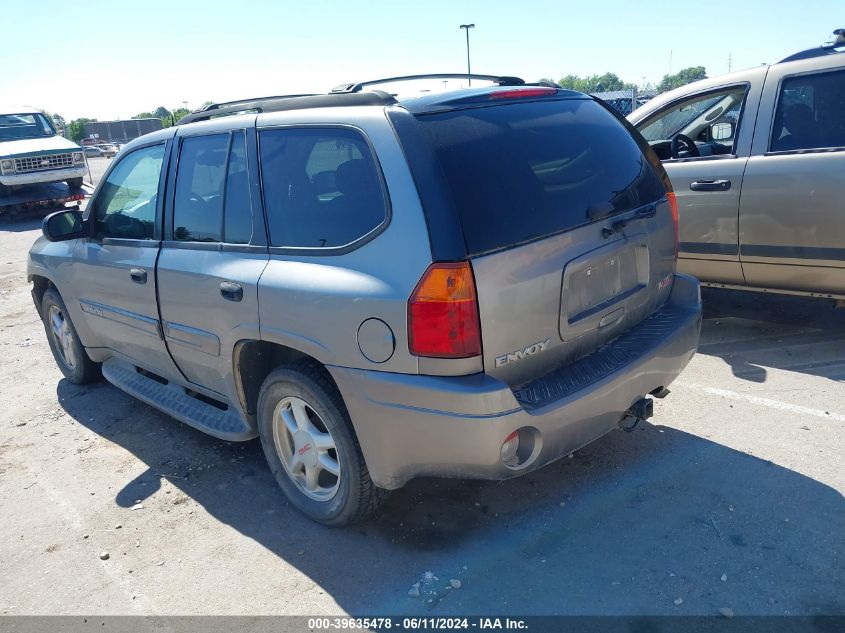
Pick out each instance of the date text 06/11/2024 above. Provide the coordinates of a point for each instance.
(415, 623)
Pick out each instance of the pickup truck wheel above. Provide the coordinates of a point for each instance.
(311, 448)
(67, 349)
(74, 183)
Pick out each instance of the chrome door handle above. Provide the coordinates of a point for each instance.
(710, 185)
(231, 291)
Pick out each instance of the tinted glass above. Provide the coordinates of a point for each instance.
(524, 171)
(321, 187)
(201, 175)
(126, 205)
(810, 112)
(238, 207)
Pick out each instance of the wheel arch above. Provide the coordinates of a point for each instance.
(253, 360)
(40, 284)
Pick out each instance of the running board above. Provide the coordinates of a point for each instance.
(175, 401)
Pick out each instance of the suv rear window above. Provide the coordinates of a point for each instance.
(520, 172)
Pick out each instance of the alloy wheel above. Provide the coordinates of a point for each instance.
(306, 448)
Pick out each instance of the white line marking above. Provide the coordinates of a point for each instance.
(766, 402)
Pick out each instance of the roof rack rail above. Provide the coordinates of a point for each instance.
(287, 102)
(500, 80)
(216, 106)
(828, 48)
(233, 107)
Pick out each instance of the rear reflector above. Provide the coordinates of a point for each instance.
(673, 207)
(509, 450)
(524, 93)
(443, 313)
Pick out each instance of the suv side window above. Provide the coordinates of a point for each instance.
(126, 205)
(200, 179)
(237, 210)
(712, 120)
(810, 113)
(322, 187)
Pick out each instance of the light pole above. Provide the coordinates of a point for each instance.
(467, 27)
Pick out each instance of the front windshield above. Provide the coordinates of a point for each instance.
(18, 126)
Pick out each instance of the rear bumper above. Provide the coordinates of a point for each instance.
(412, 425)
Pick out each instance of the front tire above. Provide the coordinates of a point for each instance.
(70, 355)
(311, 447)
(74, 183)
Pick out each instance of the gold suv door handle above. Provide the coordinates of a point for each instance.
(231, 291)
(710, 185)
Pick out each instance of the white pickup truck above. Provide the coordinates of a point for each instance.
(32, 152)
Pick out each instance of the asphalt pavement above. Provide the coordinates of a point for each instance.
(731, 497)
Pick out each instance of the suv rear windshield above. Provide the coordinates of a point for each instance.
(519, 172)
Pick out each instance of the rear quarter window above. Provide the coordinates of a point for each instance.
(322, 187)
(524, 171)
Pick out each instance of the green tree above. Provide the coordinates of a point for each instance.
(571, 82)
(681, 78)
(595, 83)
(59, 122)
(76, 129)
(57, 119)
(166, 116)
(174, 117)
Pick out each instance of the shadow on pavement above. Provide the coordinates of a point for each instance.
(627, 526)
(22, 223)
(752, 331)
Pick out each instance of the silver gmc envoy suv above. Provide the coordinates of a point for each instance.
(465, 284)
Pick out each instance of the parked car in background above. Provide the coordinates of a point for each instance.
(757, 161)
(32, 152)
(108, 150)
(468, 284)
(93, 151)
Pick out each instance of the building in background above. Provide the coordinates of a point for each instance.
(121, 131)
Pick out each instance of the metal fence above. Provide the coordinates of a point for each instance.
(624, 101)
(121, 131)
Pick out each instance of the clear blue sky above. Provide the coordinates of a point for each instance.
(120, 58)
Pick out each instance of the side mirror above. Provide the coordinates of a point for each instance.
(63, 225)
(722, 131)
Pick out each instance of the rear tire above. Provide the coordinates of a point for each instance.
(306, 434)
(68, 351)
(74, 183)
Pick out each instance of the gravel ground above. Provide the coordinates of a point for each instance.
(731, 497)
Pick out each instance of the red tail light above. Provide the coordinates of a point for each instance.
(673, 207)
(443, 313)
(524, 93)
